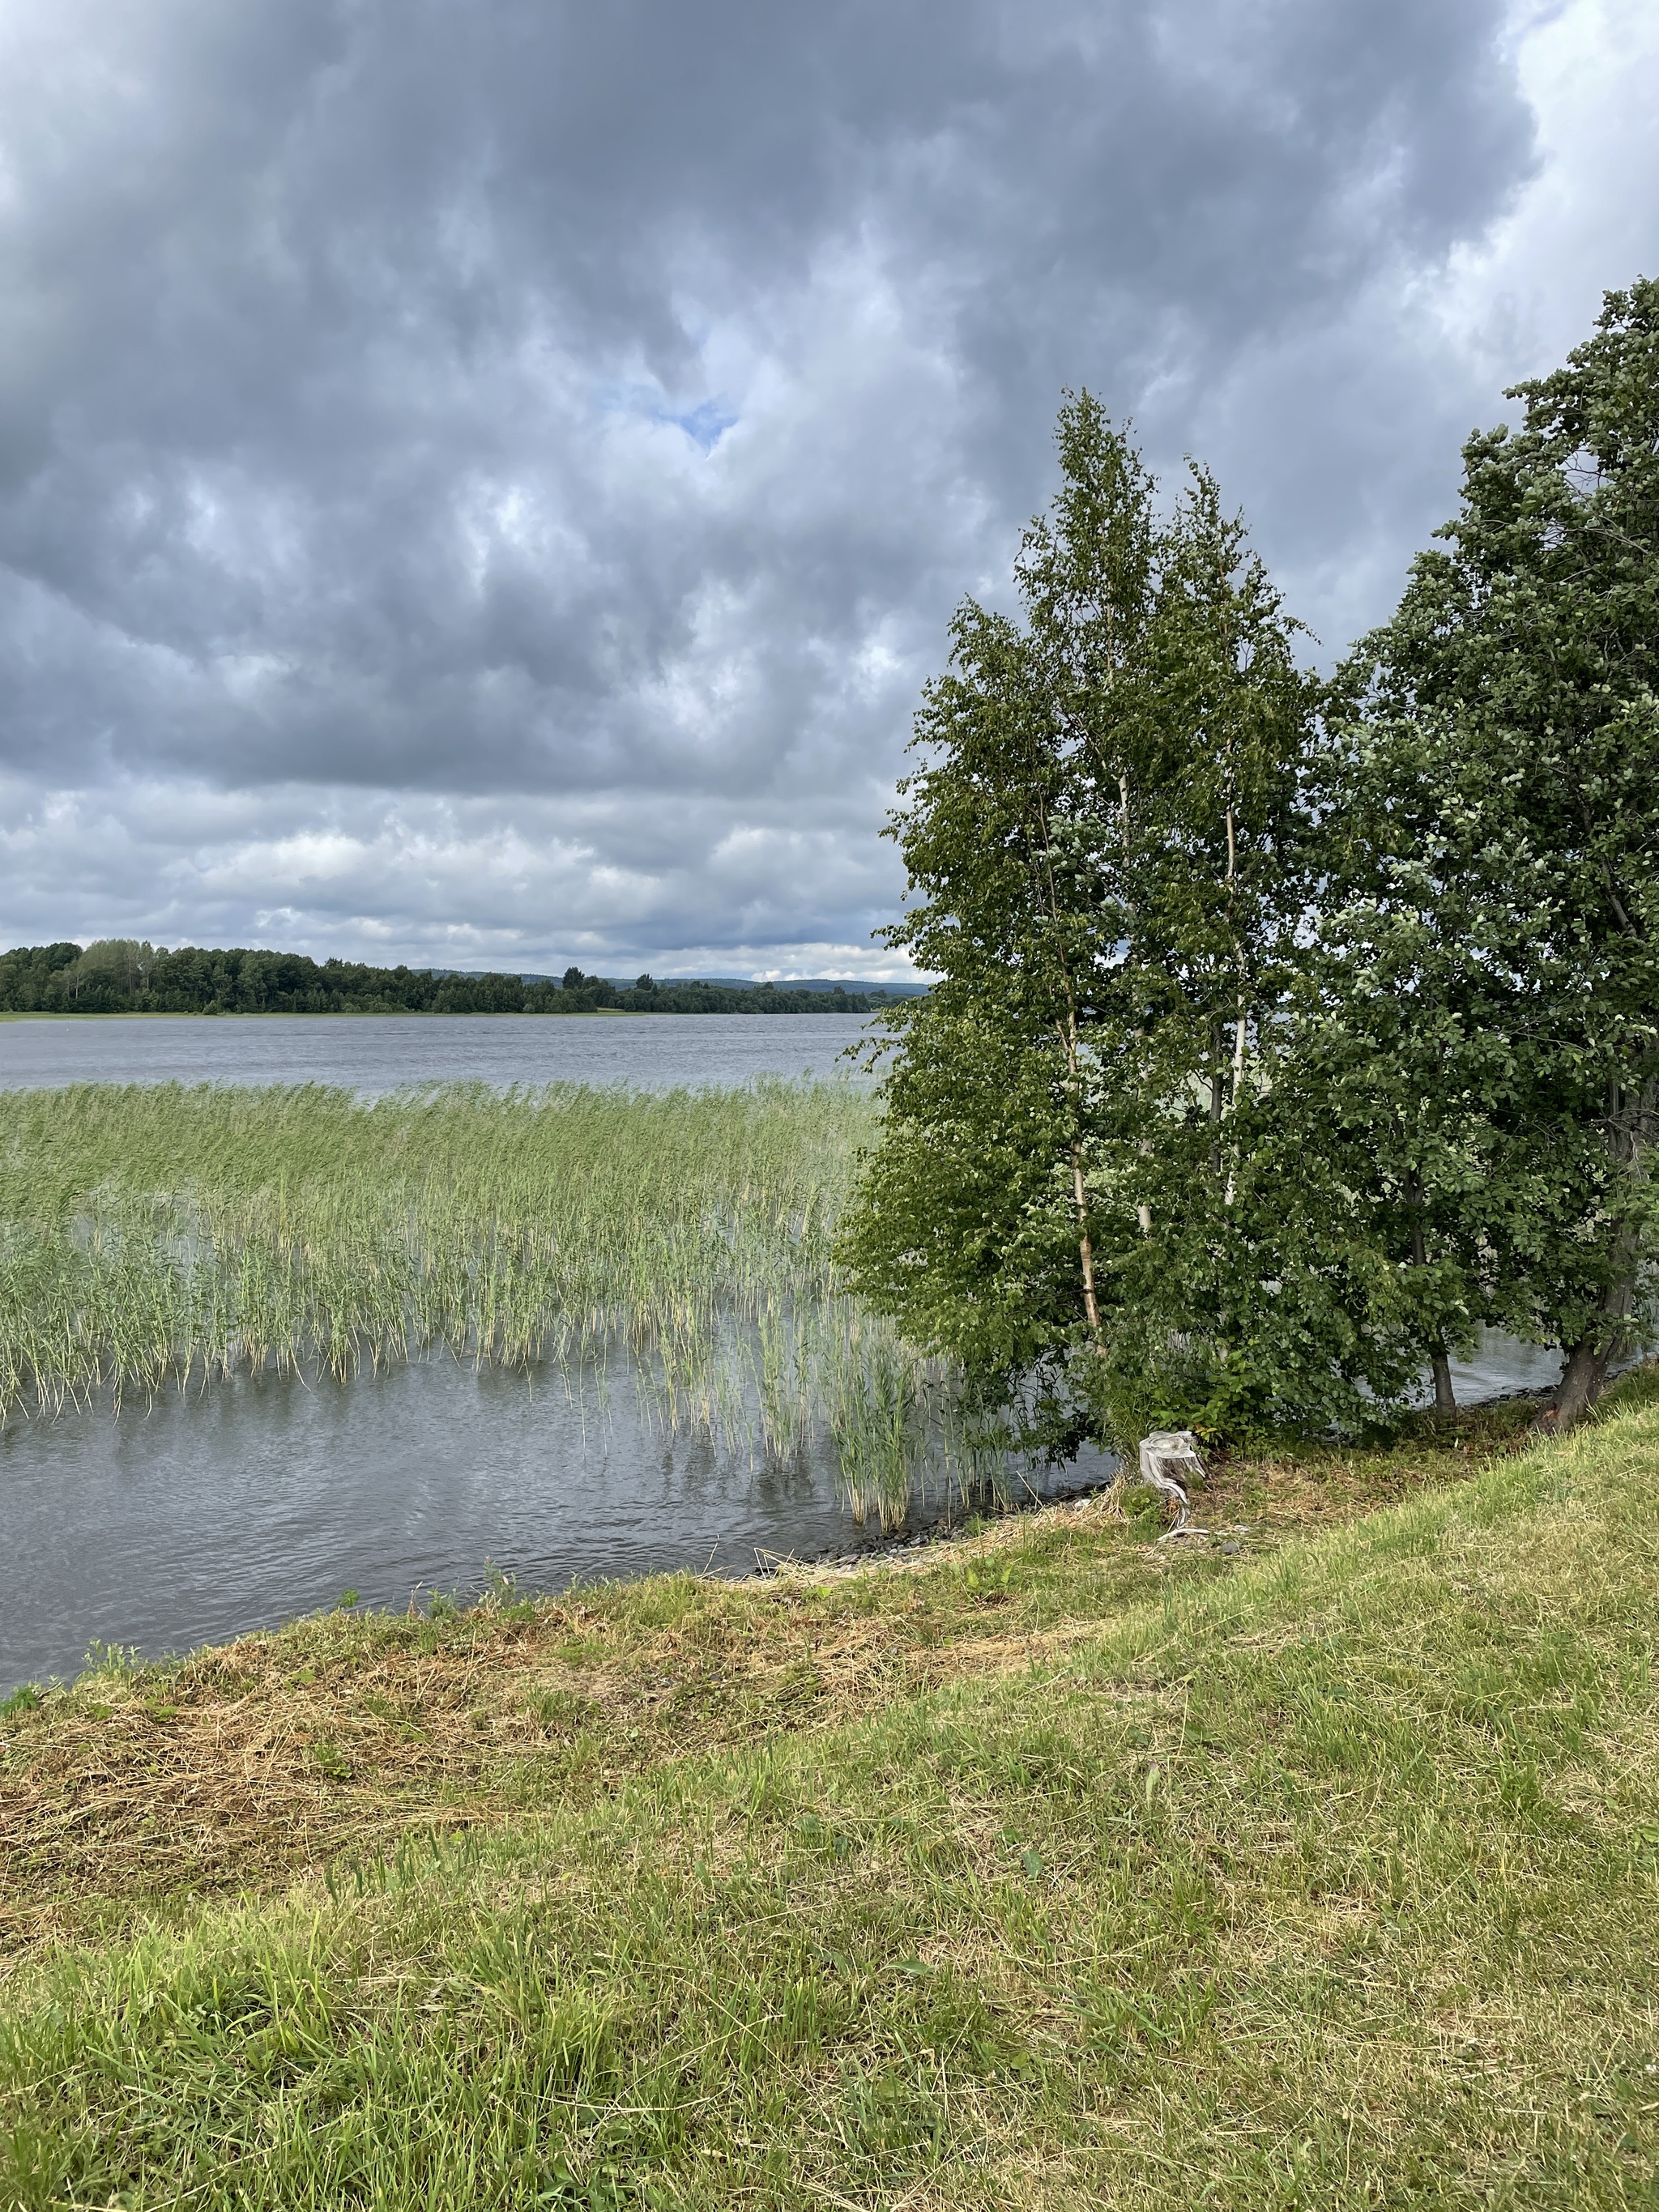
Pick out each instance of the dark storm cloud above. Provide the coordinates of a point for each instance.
(408, 406)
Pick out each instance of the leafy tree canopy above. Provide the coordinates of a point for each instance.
(119, 977)
(1286, 1034)
(1082, 1191)
(1484, 992)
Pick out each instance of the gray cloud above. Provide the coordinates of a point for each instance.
(490, 475)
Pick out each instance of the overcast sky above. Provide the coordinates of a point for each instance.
(482, 482)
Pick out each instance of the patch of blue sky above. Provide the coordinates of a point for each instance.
(705, 424)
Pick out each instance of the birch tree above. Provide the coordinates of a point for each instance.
(1079, 1192)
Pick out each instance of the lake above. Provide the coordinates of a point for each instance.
(372, 1054)
(239, 1504)
(199, 1515)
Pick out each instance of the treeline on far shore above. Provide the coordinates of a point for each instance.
(117, 975)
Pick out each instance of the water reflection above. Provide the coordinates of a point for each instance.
(1498, 1365)
(251, 1500)
(372, 1054)
(195, 1518)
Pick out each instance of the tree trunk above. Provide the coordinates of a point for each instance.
(1445, 1399)
(1217, 1058)
(1085, 1248)
(1218, 1055)
(1237, 1088)
(1582, 1381)
(1631, 1116)
(1585, 1375)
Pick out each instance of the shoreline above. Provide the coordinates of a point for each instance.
(434, 1014)
(1491, 1425)
(1051, 1844)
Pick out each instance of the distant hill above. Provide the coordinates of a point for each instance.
(829, 983)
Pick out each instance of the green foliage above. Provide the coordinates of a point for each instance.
(1082, 1189)
(1481, 1039)
(121, 977)
(647, 996)
(31, 975)
(1268, 1060)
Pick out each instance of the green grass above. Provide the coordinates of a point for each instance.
(238, 1764)
(1324, 1877)
(152, 1234)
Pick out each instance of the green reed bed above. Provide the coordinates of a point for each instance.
(152, 1236)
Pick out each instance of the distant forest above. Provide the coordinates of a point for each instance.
(119, 977)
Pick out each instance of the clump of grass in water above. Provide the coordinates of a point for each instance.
(151, 1235)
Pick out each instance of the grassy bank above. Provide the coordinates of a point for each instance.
(1062, 1868)
(154, 1234)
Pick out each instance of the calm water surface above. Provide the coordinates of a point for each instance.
(238, 1506)
(372, 1054)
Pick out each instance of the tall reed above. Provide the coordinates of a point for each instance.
(154, 1234)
